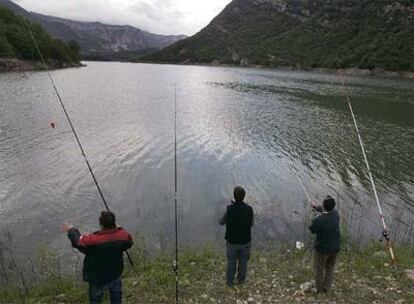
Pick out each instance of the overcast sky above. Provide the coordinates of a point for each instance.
(157, 16)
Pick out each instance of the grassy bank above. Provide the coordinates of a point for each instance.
(274, 277)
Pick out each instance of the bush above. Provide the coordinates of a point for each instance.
(6, 49)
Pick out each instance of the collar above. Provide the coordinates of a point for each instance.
(108, 231)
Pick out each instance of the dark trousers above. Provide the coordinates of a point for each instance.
(96, 292)
(237, 257)
(324, 271)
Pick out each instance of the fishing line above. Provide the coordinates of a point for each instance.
(235, 151)
(385, 232)
(70, 122)
(304, 189)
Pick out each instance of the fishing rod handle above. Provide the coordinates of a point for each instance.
(129, 258)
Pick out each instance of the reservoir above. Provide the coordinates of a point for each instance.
(258, 128)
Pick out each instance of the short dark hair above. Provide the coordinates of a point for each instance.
(239, 194)
(107, 220)
(329, 203)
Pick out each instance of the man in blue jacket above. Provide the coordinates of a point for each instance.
(103, 264)
(239, 221)
(327, 244)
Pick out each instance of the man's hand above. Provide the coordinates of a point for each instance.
(316, 207)
(65, 227)
(223, 220)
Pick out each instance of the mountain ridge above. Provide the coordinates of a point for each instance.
(18, 52)
(99, 40)
(304, 34)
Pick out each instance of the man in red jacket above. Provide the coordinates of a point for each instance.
(104, 263)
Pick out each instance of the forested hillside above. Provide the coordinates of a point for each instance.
(365, 34)
(98, 41)
(15, 41)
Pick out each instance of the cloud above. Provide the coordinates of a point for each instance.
(157, 16)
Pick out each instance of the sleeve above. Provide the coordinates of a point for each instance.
(314, 226)
(223, 220)
(128, 244)
(251, 217)
(75, 238)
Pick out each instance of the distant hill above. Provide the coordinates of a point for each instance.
(336, 34)
(15, 8)
(16, 43)
(98, 40)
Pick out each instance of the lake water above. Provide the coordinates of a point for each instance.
(252, 127)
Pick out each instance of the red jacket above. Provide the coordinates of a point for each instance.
(104, 253)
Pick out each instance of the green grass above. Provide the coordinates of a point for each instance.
(274, 277)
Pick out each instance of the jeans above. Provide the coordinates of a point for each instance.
(324, 271)
(115, 290)
(237, 254)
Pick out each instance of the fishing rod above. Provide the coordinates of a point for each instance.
(385, 231)
(304, 189)
(42, 59)
(302, 185)
(311, 203)
(176, 268)
(234, 150)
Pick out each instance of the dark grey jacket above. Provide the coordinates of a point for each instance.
(326, 228)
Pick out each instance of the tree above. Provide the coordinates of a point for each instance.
(15, 40)
(6, 50)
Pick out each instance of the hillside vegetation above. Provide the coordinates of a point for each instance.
(15, 41)
(98, 41)
(336, 34)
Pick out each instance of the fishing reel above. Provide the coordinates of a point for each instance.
(385, 235)
(175, 266)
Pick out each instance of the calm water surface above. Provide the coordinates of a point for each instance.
(252, 127)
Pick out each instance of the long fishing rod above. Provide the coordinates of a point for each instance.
(233, 144)
(176, 269)
(311, 203)
(70, 122)
(385, 232)
(304, 189)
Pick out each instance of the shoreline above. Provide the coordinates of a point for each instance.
(343, 72)
(16, 65)
(274, 277)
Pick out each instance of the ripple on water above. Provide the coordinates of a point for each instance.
(253, 127)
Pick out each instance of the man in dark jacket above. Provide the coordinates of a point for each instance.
(103, 264)
(238, 220)
(327, 244)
